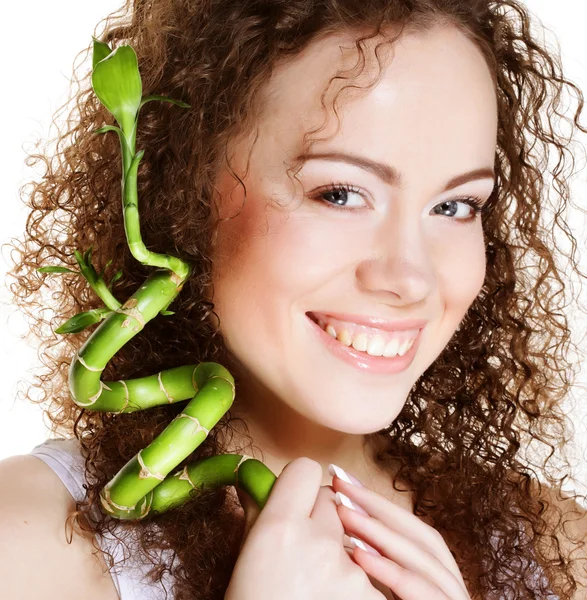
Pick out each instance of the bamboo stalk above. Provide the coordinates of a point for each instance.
(147, 483)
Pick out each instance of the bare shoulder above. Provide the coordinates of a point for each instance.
(36, 559)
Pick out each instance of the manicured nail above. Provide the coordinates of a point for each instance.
(346, 501)
(342, 474)
(363, 546)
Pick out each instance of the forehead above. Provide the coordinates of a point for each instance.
(435, 93)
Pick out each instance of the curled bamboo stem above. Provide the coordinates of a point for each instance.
(148, 482)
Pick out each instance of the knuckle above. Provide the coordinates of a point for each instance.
(307, 464)
(435, 535)
(438, 541)
(280, 527)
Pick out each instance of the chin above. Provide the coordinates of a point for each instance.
(354, 422)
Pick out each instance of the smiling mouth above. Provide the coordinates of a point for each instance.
(367, 340)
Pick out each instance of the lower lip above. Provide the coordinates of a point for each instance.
(363, 361)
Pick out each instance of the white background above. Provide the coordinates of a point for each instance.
(38, 45)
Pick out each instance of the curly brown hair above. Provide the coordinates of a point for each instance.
(496, 389)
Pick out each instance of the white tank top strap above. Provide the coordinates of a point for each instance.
(129, 573)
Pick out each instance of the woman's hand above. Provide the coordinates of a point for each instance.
(415, 563)
(294, 547)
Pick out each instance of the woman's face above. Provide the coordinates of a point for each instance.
(384, 250)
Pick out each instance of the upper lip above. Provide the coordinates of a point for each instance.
(377, 322)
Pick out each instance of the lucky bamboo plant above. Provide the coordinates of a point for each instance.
(146, 483)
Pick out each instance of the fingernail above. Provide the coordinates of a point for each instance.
(363, 546)
(346, 501)
(342, 474)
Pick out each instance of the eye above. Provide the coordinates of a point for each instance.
(336, 196)
(474, 203)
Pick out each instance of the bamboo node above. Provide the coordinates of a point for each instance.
(86, 366)
(105, 504)
(145, 472)
(199, 428)
(184, 476)
(146, 509)
(177, 279)
(242, 460)
(93, 399)
(169, 397)
(130, 309)
(126, 397)
(194, 384)
(108, 499)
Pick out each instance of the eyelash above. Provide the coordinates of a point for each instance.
(474, 202)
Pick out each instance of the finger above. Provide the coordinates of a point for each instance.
(403, 583)
(294, 493)
(401, 520)
(402, 551)
(325, 514)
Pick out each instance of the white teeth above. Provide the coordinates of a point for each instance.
(330, 329)
(406, 346)
(376, 346)
(373, 345)
(360, 342)
(344, 337)
(391, 348)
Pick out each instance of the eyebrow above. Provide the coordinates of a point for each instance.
(391, 175)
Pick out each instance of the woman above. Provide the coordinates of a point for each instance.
(344, 185)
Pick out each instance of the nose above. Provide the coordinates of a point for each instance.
(398, 267)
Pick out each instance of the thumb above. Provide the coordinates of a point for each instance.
(251, 509)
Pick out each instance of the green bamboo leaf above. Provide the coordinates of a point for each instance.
(167, 313)
(164, 99)
(86, 269)
(80, 259)
(55, 270)
(116, 80)
(114, 279)
(108, 128)
(104, 269)
(88, 255)
(100, 51)
(83, 320)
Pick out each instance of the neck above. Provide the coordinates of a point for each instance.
(280, 434)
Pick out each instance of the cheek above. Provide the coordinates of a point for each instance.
(237, 267)
(264, 264)
(462, 274)
(277, 253)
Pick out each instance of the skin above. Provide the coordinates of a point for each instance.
(279, 253)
